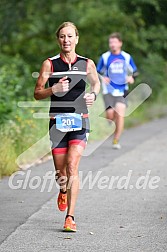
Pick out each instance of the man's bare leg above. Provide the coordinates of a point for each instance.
(119, 119)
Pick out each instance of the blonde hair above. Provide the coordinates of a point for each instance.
(66, 24)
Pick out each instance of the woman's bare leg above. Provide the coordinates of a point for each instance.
(73, 159)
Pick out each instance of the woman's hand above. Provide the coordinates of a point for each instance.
(89, 98)
(61, 86)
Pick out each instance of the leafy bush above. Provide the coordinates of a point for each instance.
(153, 71)
(15, 82)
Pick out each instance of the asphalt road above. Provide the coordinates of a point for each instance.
(109, 216)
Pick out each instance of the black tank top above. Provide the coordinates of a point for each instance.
(71, 101)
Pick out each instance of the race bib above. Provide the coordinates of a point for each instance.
(66, 122)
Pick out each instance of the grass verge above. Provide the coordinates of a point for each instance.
(21, 133)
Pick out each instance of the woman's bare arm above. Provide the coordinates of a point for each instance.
(94, 82)
(93, 77)
(40, 91)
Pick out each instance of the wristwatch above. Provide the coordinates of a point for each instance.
(94, 95)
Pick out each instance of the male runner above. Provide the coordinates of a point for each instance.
(118, 70)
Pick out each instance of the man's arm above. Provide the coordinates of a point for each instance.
(131, 79)
(101, 69)
(100, 65)
(134, 67)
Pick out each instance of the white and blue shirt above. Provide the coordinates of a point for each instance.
(117, 68)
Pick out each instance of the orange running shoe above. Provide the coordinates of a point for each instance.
(62, 201)
(69, 225)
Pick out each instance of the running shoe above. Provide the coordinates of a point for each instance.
(62, 201)
(69, 225)
(116, 145)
